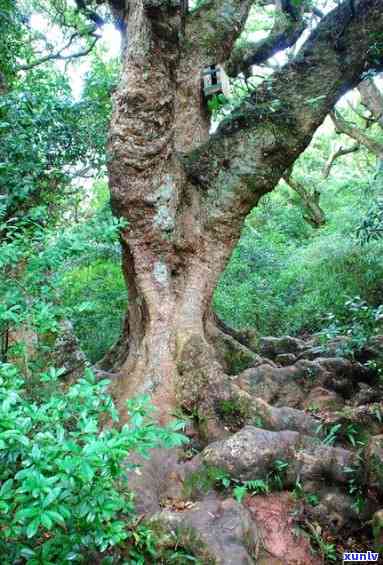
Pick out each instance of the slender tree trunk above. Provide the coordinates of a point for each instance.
(313, 212)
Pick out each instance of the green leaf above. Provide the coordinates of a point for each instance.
(56, 517)
(27, 552)
(6, 489)
(46, 520)
(33, 527)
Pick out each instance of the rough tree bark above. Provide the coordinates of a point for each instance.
(185, 195)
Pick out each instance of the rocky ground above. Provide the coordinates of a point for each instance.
(298, 479)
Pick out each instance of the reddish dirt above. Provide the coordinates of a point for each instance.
(281, 541)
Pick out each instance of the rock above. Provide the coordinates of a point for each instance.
(367, 417)
(67, 353)
(273, 346)
(278, 419)
(291, 385)
(335, 373)
(366, 394)
(337, 347)
(282, 544)
(158, 481)
(285, 359)
(330, 463)
(222, 531)
(311, 353)
(373, 350)
(322, 399)
(374, 463)
(274, 383)
(251, 454)
(334, 511)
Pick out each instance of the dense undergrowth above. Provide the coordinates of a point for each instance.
(286, 277)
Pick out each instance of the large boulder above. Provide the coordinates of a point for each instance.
(338, 347)
(273, 346)
(335, 510)
(285, 359)
(322, 400)
(252, 453)
(373, 350)
(217, 531)
(290, 386)
(274, 384)
(374, 463)
(364, 419)
(278, 419)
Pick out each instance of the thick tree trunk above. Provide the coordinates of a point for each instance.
(185, 196)
(170, 261)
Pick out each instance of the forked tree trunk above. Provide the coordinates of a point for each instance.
(170, 261)
(185, 197)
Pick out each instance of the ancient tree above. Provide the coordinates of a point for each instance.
(185, 193)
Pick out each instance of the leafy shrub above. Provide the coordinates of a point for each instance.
(284, 278)
(95, 294)
(359, 322)
(64, 494)
(37, 266)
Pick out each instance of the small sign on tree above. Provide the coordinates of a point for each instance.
(214, 81)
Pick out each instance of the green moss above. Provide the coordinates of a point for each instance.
(234, 412)
(238, 360)
(204, 480)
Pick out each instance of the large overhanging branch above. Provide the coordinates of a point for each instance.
(215, 27)
(289, 24)
(255, 145)
(372, 99)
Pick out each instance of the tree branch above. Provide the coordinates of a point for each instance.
(58, 56)
(288, 27)
(214, 28)
(372, 99)
(89, 14)
(336, 153)
(314, 214)
(342, 126)
(253, 147)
